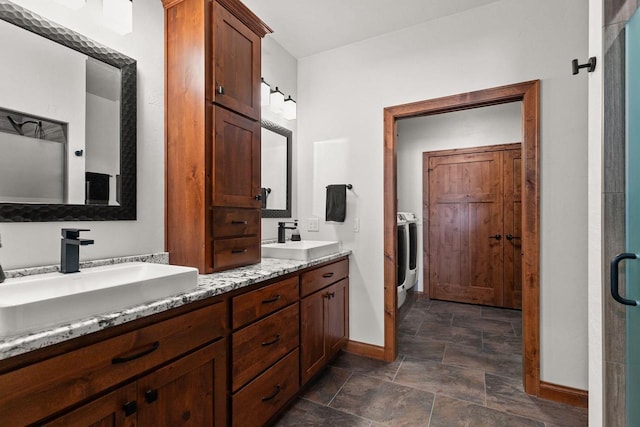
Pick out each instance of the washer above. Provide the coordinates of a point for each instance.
(412, 249)
(403, 258)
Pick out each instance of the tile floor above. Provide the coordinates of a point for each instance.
(458, 365)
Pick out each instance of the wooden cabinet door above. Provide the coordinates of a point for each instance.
(313, 347)
(337, 316)
(236, 161)
(465, 228)
(116, 409)
(237, 64)
(512, 229)
(188, 392)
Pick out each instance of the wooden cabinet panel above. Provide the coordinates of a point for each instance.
(229, 253)
(256, 304)
(188, 392)
(314, 280)
(256, 347)
(337, 317)
(313, 348)
(259, 400)
(232, 222)
(107, 411)
(237, 64)
(76, 376)
(236, 161)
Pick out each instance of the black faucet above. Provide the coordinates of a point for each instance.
(70, 249)
(283, 226)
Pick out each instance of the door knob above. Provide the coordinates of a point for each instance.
(496, 236)
(511, 237)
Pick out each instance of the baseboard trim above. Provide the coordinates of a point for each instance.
(365, 350)
(564, 394)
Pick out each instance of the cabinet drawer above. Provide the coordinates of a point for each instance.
(256, 304)
(35, 391)
(317, 279)
(264, 396)
(229, 253)
(230, 222)
(256, 347)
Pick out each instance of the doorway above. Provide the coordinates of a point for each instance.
(472, 211)
(529, 94)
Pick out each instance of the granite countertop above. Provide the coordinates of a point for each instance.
(209, 285)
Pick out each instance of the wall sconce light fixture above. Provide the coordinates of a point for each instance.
(276, 101)
(289, 111)
(72, 4)
(118, 15)
(265, 92)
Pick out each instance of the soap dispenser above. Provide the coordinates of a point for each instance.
(295, 235)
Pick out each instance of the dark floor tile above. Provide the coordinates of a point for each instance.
(450, 413)
(501, 313)
(411, 322)
(502, 343)
(327, 385)
(509, 365)
(482, 324)
(305, 413)
(517, 327)
(451, 334)
(460, 383)
(454, 307)
(370, 367)
(507, 395)
(384, 402)
(421, 347)
(422, 303)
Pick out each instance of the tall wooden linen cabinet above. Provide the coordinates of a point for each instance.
(212, 127)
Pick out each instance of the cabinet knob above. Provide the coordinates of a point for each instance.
(151, 396)
(220, 90)
(130, 408)
(258, 197)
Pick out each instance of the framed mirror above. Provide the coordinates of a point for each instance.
(276, 170)
(67, 124)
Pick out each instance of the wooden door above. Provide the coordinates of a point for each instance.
(116, 409)
(313, 347)
(188, 392)
(512, 229)
(337, 317)
(236, 161)
(455, 234)
(237, 64)
(465, 228)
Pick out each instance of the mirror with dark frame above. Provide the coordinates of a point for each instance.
(67, 124)
(276, 170)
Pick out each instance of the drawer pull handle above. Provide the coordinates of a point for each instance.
(239, 251)
(239, 222)
(124, 359)
(270, 300)
(329, 295)
(272, 395)
(151, 396)
(327, 275)
(272, 342)
(130, 408)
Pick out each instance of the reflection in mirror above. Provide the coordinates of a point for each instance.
(67, 124)
(276, 170)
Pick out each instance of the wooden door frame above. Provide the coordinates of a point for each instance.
(529, 94)
(426, 218)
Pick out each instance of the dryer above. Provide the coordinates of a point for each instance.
(412, 249)
(403, 259)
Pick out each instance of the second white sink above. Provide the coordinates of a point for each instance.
(303, 250)
(42, 300)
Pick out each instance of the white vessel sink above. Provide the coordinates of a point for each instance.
(42, 300)
(303, 250)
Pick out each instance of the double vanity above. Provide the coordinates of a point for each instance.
(229, 348)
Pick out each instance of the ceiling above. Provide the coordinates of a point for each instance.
(307, 27)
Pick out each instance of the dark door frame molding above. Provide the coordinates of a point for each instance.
(529, 94)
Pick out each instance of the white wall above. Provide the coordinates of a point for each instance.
(498, 124)
(30, 244)
(280, 69)
(342, 95)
